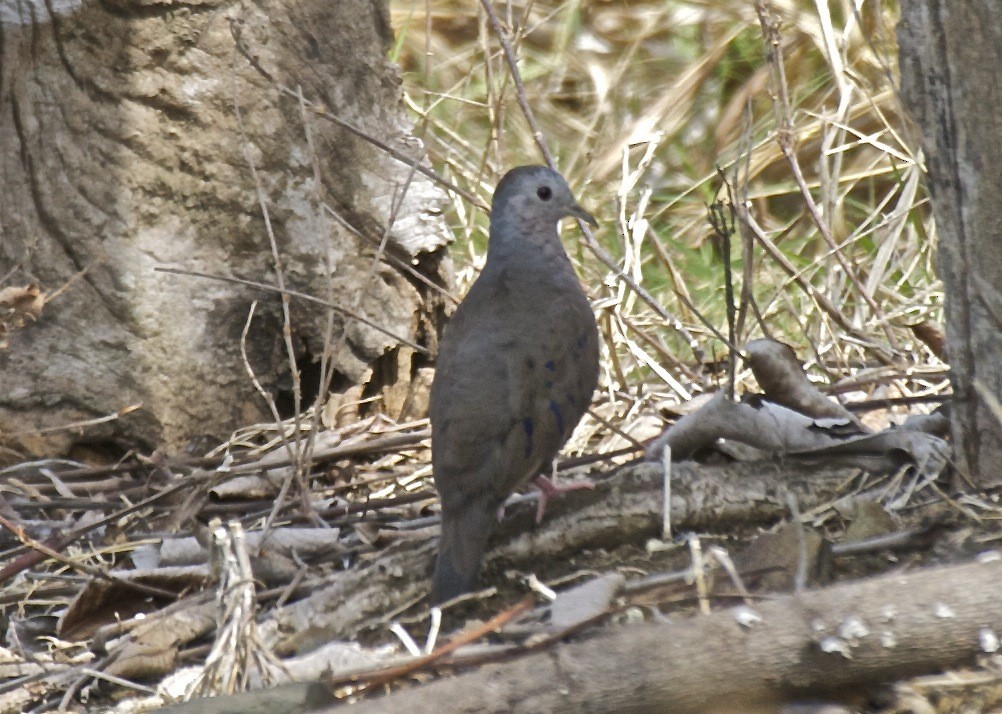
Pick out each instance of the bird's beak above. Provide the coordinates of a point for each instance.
(581, 213)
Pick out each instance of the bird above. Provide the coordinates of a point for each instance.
(515, 372)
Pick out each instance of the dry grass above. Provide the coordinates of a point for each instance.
(640, 102)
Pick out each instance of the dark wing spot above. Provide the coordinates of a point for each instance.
(527, 425)
(582, 340)
(555, 408)
(530, 363)
(551, 365)
(548, 384)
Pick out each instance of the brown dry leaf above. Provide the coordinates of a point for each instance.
(776, 429)
(771, 562)
(150, 649)
(103, 602)
(782, 378)
(868, 519)
(769, 427)
(933, 335)
(17, 306)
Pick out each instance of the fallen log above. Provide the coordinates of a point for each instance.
(832, 641)
(623, 509)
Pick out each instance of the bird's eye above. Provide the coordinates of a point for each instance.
(544, 193)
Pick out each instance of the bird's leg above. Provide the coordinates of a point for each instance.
(548, 488)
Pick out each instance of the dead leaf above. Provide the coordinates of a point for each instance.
(932, 335)
(18, 305)
(783, 380)
(771, 562)
(585, 601)
(103, 602)
(868, 519)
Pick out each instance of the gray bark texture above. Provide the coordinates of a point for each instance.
(949, 58)
(122, 150)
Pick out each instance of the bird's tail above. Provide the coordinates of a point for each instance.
(465, 532)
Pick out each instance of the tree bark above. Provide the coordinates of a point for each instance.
(832, 641)
(123, 151)
(949, 59)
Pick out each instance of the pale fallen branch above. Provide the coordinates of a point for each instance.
(776, 429)
(624, 509)
(829, 641)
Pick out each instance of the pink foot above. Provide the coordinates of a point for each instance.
(548, 489)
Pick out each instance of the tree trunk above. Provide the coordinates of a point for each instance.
(128, 132)
(949, 58)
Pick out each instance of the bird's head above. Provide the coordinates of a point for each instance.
(532, 195)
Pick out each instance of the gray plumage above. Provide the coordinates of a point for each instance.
(516, 369)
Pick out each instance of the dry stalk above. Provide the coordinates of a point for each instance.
(265, 287)
(292, 447)
(785, 140)
(590, 241)
(238, 649)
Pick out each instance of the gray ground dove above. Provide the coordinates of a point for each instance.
(516, 369)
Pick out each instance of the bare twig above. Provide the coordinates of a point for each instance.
(321, 111)
(100, 573)
(76, 425)
(302, 296)
(785, 140)
(722, 221)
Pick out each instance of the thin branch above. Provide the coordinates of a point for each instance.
(48, 552)
(77, 425)
(321, 111)
(302, 296)
(784, 138)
